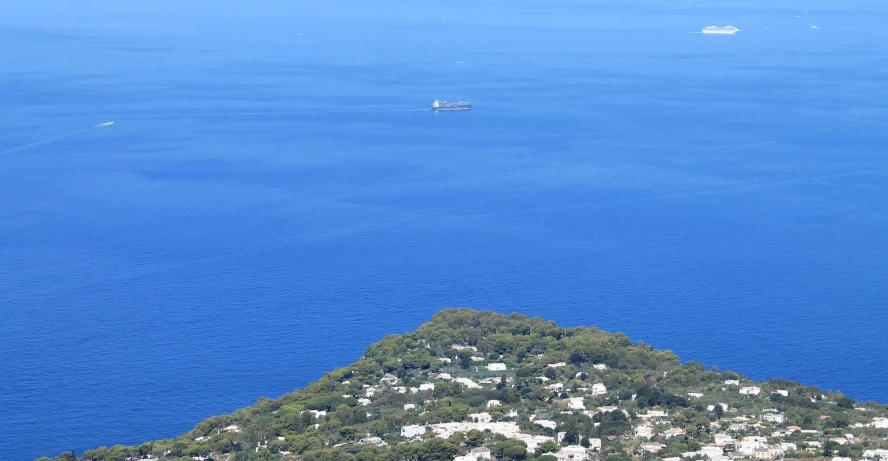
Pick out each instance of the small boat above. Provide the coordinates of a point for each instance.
(726, 30)
(444, 105)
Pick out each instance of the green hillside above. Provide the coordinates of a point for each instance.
(472, 385)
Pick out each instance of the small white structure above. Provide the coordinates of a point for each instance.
(644, 431)
(496, 367)
(572, 453)
(600, 366)
(751, 390)
(557, 365)
(546, 423)
(468, 383)
(782, 392)
(409, 406)
(493, 403)
(599, 389)
(317, 413)
(480, 417)
(480, 453)
(364, 402)
(881, 453)
(732, 382)
(880, 423)
(722, 439)
(674, 432)
(778, 418)
(412, 431)
(533, 441)
(651, 447)
(576, 403)
(557, 387)
(426, 387)
(695, 395)
(712, 450)
(789, 447)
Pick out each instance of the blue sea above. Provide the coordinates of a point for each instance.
(273, 195)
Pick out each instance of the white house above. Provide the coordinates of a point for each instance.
(576, 403)
(364, 402)
(493, 403)
(409, 406)
(599, 389)
(674, 432)
(782, 392)
(789, 447)
(496, 366)
(600, 366)
(722, 439)
(774, 418)
(711, 450)
(880, 423)
(572, 453)
(468, 383)
(480, 453)
(533, 441)
(426, 387)
(882, 453)
(412, 431)
(557, 387)
(751, 390)
(594, 444)
(546, 423)
(480, 417)
(652, 447)
(732, 382)
(695, 395)
(644, 431)
(557, 365)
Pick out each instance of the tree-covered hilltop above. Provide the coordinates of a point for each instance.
(477, 384)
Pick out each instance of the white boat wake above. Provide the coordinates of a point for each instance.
(54, 139)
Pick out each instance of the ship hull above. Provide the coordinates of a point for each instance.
(720, 32)
(448, 109)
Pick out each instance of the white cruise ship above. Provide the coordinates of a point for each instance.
(720, 30)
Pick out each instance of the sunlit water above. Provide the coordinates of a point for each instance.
(269, 201)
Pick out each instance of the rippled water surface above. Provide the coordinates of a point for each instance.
(269, 200)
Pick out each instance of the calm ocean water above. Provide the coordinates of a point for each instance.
(268, 202)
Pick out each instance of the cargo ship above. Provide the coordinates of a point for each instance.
(444, 105)
(726, 30)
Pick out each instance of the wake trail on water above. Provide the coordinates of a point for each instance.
(53, 139)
